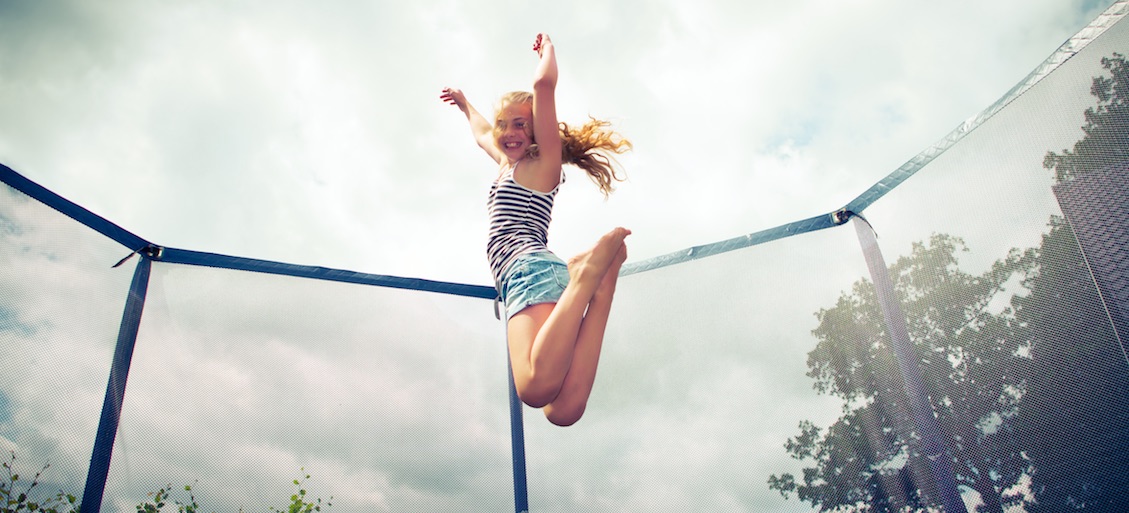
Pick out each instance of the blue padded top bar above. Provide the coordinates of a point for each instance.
(170, 255)
(744, 241)
(1064, 52)
(182, 256)
(71, 210)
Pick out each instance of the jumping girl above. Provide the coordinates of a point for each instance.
(556, 312)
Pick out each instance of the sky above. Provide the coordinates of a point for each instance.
(313, 134)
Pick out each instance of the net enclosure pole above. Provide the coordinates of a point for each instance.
(115, 390)
(517, 441)
(517, 429)
(924, 418)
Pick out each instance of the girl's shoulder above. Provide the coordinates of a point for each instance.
(538, 175)
(505, 171)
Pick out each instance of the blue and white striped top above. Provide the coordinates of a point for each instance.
(519, 222)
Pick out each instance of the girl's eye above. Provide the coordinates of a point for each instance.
(519, 124)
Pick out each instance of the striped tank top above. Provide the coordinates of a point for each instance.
(519, 222)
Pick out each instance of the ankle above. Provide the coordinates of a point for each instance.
(581, 271)
(604, 292)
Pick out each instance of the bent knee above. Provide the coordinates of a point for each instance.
(537, 397)
(564, 416)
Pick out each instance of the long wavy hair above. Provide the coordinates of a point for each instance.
(591, 146)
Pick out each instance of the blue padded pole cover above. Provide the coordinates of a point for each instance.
(517, 445)
(940, 466)
(115, 390)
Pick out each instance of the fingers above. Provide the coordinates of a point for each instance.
(452, 96)
(540, 42)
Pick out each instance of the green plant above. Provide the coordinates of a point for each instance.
(164, 497)
(160, 497)
(17, 496)
(298, 502)
(12, 500)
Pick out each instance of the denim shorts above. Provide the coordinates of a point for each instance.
(533, 279)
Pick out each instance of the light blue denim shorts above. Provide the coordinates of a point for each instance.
(533, 279)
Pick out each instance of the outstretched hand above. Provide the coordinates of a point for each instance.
(540, 42)
(454, 97)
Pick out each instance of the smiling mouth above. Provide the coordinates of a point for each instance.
(511, 145)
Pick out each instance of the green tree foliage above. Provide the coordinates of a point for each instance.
(1033, 397)
(298, 502)
(1106, 126)
(1073, 421)
(161, 498)
(1074, 418)
(868, 461)
(18, 495)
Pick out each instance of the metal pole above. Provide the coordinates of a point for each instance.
(924, 418)
(115, 390)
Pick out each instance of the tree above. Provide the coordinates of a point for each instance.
(1034, 397)
(1073, 421)
(868, 461)
(1105, 141)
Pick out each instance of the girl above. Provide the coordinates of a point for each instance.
(556, 312)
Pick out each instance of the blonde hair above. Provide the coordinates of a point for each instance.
(590, 147)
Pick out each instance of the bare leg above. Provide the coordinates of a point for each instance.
(570, 403)
(543, 338)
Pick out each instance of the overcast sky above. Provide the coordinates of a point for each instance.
(312, 133)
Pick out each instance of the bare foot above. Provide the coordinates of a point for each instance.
(607, 284)
(592, 265)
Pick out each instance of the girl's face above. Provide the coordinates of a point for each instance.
(513, 130)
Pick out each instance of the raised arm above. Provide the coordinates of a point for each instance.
(545, 130)
(480, 128)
